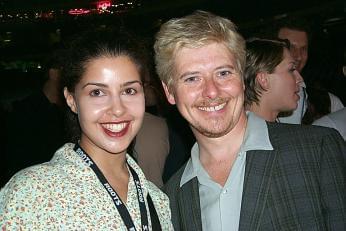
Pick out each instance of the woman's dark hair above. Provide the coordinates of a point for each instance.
(93, 44)
(262, 55)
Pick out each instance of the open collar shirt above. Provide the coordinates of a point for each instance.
(220, 206)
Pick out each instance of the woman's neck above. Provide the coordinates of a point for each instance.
(264, 112)
(113, 167)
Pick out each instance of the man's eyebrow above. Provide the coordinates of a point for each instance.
(188, 73)
(225, 66)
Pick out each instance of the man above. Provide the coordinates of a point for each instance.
(244, 173)
(297, 32)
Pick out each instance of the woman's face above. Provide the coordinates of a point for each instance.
(109, 101)
(284, 85)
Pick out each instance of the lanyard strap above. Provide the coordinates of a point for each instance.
(124, 213)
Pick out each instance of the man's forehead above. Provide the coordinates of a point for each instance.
(294, 35)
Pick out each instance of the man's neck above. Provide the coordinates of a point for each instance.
(217, 155)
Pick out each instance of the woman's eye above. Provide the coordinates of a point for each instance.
(96, 92)
(292, 69)
(130, 91)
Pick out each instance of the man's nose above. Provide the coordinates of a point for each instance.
(210, 89)
(296, 54)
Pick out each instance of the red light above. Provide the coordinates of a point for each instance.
(102, 5)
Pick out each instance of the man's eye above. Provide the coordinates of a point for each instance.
(130, 91)
(224, 73)
(190, 79)
(96, 92)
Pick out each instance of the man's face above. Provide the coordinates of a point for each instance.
(299, 45)
(207, 89)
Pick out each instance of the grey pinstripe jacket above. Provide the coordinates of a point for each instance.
(300, 185)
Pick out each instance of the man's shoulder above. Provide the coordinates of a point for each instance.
(299, 130)
(306, 138)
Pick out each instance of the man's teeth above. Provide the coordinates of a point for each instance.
(216, 108)
(114, 127)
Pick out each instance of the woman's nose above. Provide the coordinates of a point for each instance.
(299, 78)
(117, 107)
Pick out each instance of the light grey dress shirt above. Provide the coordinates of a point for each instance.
(220, 206)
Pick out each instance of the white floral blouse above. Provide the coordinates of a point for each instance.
(65, 194)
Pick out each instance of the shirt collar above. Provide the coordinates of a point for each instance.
(256, 138)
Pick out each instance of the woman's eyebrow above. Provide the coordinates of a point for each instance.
(95, 84)
(132, 82)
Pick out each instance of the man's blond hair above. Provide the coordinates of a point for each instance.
(193, 31)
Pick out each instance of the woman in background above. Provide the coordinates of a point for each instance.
(271, 79)
(93, 183)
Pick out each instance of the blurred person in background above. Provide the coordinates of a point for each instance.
(34, 126)
(272, 81)
(297, 31)
(336, 120)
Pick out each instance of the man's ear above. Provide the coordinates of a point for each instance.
(169, 95)
(70, 100)
(262, 79)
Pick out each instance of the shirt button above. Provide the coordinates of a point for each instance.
(225, 191)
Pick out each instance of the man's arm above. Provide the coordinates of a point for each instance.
(332, 180)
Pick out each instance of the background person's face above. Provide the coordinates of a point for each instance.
(299, 45)
(207, 89)
(284, 85)
(109, 101)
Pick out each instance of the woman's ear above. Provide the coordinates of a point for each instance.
(262, 79)
(70, 100)
(169, 94)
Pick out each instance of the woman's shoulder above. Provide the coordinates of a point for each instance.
(40, 177)
(161, 204)
(28, 183)
(156, 192)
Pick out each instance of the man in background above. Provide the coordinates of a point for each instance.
(297, 31)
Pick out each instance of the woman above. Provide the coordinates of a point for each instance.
(271, 79)
(92, 184)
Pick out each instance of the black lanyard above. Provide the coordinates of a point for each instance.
(124, 213)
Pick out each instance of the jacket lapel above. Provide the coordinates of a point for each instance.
(258, 174)
(189, 206)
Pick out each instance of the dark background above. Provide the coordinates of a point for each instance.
(30, 28)
(25, 38)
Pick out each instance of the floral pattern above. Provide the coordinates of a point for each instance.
(65, 194)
